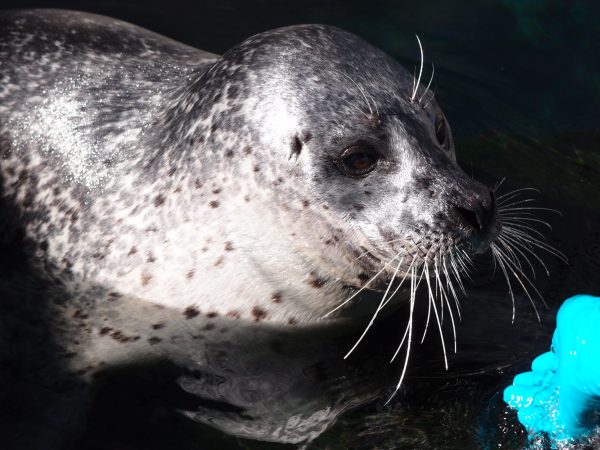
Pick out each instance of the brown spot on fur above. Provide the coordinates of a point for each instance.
(212, 315)
(213, 204)
(276, 297)
(247, 198)
(305, 203)
(79, 314)
(256, 168)
(248, 150)
(104, 331)
(171, 171)
(146, 278)
(367, 192)
(177, 189)
(219, 262)
(159, 200)
(191, 311)
(234, 314)
(292, 321)
(229, 154)
(358, 206)
(228, 246)
(158, 326)
(154, 340)
(198, 184)
(98, 255)
(216, 191)
(325, 207)
(122, 338)
(258, 313)
(190, 274)
(132, 251)
(315, 281)
(209, 326)
(150, 258)
(363, 277)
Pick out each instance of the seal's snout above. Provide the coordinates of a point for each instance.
(478, 218)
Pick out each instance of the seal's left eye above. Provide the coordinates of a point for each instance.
(358, 160)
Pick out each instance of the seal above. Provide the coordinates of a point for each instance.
(243, 185)
(300, 169)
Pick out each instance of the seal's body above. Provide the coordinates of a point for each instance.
(221, 185)
(147, 187)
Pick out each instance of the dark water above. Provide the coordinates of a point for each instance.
(520, 84)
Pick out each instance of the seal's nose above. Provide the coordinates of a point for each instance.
(477, 216)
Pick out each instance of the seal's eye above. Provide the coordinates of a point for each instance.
(358, 160)
(441, 132)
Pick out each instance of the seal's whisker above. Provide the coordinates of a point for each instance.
(416, 85)
(510, 289)
(532, 241)
(530, 208)
(437, 292)
(358, 87)
(444, 299)
(510, 265)
(509, 251)
(428, 84)
(507, 219)
(413, 288)
(507, 203)
(401, 281)
(465, 269)
(527, 249)
(423, 269)
(437, 316)
(456, 272)
(431, 97)
(516, 192)
(408, 334)
(451, 286)
(379, 308)
(467, 258)
(414, 284)
(498, 184)
(503, 240)
(524, 228)
(345, 302)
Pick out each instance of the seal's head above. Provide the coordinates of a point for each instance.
(358, 162)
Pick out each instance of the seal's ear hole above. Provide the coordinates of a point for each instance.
(358, 160)
(441, 132)
(296, 147)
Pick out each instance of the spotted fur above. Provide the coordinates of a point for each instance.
(134, 167)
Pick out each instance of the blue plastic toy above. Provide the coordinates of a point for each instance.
(561, 395)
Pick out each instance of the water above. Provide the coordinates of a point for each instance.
(520, 83)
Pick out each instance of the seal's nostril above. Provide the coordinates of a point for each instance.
(469, 217)
(479, 214)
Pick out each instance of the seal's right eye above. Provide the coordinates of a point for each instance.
(358, 160)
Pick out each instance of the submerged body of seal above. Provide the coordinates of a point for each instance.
(267, 184)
